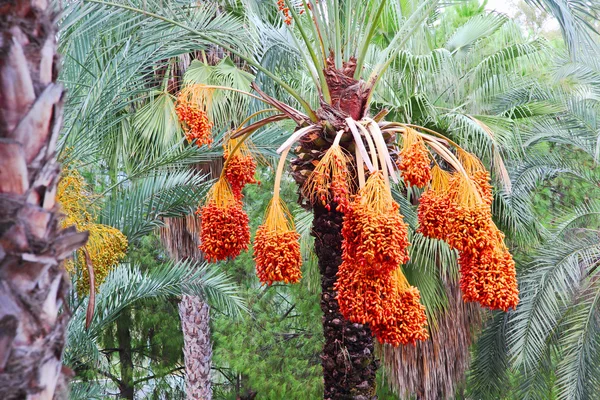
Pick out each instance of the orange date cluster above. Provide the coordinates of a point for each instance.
(225, 232)
(330, 181)
(406, 322)
(375, 241)
(371, 288)
(489, 277)
(240, 172)
(194, 121)
(285, 10)
(388, 304)
(277, 255)
(277, 246)
(224, 229)
(414, 162)
(459, 213)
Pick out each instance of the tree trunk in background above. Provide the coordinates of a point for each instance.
(180, 236)
(417, 369)
(33, 283)
(126, 386)
(348, 357)
(197, 347)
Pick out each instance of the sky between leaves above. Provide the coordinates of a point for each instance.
(509, 7)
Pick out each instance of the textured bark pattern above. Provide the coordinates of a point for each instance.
(197, 347)
(434, 369)
(33, 283)
(348, 358)
(180, 237)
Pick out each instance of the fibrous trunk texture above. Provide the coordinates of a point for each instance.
(348, 358)
(197, 347)
(33, 283)
(434, 369)
(180, 237)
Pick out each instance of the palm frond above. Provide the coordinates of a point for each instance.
(488, 375)
(138, 209)
(575, 18)
(473, 30)
(226, 109)
(311, 276)
(546, 288)
(577, 371)
(127, 284)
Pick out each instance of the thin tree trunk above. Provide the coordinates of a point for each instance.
(180, 237)
(348, 359)
(126, 386)
(33, 283)
(197, 347)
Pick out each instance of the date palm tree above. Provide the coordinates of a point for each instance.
(131, 112)
(357, 66)
(345, 67)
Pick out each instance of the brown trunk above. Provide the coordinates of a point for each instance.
(348, 359)
(33, 283)
(180, 237)
(197, 347)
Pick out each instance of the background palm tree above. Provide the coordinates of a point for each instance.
(124, 94)
(549, 341)
(32, 246)
(577, 21)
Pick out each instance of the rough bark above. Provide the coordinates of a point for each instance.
(180, 237)
(197, 347)
(348, 358)
(33, 283)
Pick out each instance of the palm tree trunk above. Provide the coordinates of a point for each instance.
(197, 347)
(348, 358)
(33, 283)
(180, 237)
